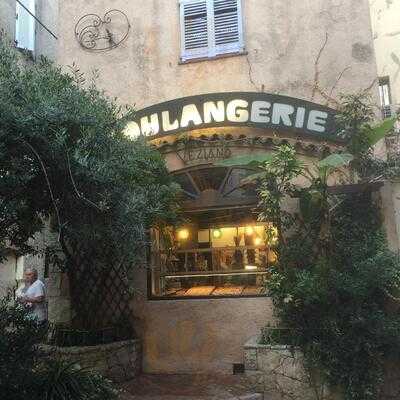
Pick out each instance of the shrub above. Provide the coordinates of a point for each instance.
(337, 308)
(19, 336)
(65, 158)
(63, 380)
(25, 375)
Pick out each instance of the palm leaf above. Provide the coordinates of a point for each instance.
(252, 178)
(250, 160)
(335, 160)
(375, 134)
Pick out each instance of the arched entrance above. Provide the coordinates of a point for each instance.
(205, 294)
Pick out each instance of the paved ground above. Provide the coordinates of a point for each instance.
(189, 387)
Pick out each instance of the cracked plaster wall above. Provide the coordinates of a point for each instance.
(7, 17)
(385, 16)
(282, 38)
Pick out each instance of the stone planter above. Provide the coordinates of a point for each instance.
(280, 370)
(119, 361)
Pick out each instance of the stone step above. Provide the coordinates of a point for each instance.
(192, 387)
(253, 396)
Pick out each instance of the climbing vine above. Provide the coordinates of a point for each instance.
(335, 286)
(336, 283)
(337, 307)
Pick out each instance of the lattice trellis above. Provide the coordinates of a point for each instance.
(100, 296)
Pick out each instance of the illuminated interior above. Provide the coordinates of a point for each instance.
(214, 261)
(221, 250)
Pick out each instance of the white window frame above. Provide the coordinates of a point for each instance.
(25, 36)
(385, 96)
(212, 49)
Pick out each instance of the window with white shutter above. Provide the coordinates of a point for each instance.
(210, 28)
(25, 25)
(194, 26)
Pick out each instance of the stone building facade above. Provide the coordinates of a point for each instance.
(386, 31)
(151, 52)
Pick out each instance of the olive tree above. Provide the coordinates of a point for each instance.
(64, 158)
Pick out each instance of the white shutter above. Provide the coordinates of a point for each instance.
(25, 25)
(195, 26)
(210, 27)
(228, 32)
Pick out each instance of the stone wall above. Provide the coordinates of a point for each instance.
(390, 206)
(7, 17)
(119, 361)
(58, 298)
(46, 44)
(8, 273)
(280, 373)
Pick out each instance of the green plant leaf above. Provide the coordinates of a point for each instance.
(335, 160)
(375, 134)
(310, 203)
(251, 160)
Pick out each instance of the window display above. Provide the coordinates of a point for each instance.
(223, 260)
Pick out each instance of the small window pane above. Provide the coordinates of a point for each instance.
(226, 22)
(186, 184)
(209, 178)
(194, 29)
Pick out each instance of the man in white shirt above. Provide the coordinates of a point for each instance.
(34, 295)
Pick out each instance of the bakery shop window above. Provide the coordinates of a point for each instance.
(221, 250)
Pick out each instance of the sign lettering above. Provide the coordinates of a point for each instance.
(258, 110)
(205, 153)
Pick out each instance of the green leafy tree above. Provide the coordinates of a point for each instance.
(335, 276)
(64, 158)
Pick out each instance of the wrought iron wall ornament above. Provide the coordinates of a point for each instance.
(101, 34)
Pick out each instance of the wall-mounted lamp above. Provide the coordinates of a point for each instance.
(217, 234)
(183, 234)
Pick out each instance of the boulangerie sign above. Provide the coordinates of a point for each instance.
(258, 110)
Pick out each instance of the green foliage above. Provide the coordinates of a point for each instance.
(356, 118)
(251, 160)
(337, 312)
(276, 185)
(356, 110)
(24, 373)
(334, 161)
(335, 275)
(378, 132)
(64, 158)
(63, 380)
(19, 336)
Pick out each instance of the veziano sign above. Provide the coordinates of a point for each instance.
(258, 110)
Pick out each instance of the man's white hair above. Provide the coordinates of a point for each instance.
(33, 270)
